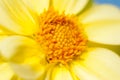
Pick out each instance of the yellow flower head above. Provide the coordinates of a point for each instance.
(51, 40)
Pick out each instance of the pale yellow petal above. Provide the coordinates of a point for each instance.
(47, 75)
(38, 5)
(102, 24)
(60, 72)
(70, 6)
(82, 73)
(26, 57)
(17, 17)
(21, 49)
(6, 72)
(24, 71)
(104, 32)
(100, 13)
(102, 63)
(14, 46)
(37, 63)
(1, 57)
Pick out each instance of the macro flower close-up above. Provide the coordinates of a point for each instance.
(59, 40)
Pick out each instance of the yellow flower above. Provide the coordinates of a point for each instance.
(49, 40)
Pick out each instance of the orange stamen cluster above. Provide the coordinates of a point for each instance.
(61, 36)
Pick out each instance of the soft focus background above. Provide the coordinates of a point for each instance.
(114, 2)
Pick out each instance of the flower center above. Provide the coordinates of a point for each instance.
(61, 36)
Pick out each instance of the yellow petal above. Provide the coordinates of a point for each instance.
(38, 5)
(102, 24)
(6, 72)
(15, 77)
(102, 63)
(1, 57)
(4, 31)
(100, 13)
(24, 71)
(17, 47)
(17, 17)
(25, 56)
(82, 73)
(37, 63)
(2, 37)
(70, 6)
(2, 60)
(60, 72)
(103, 32)
(47, 74)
